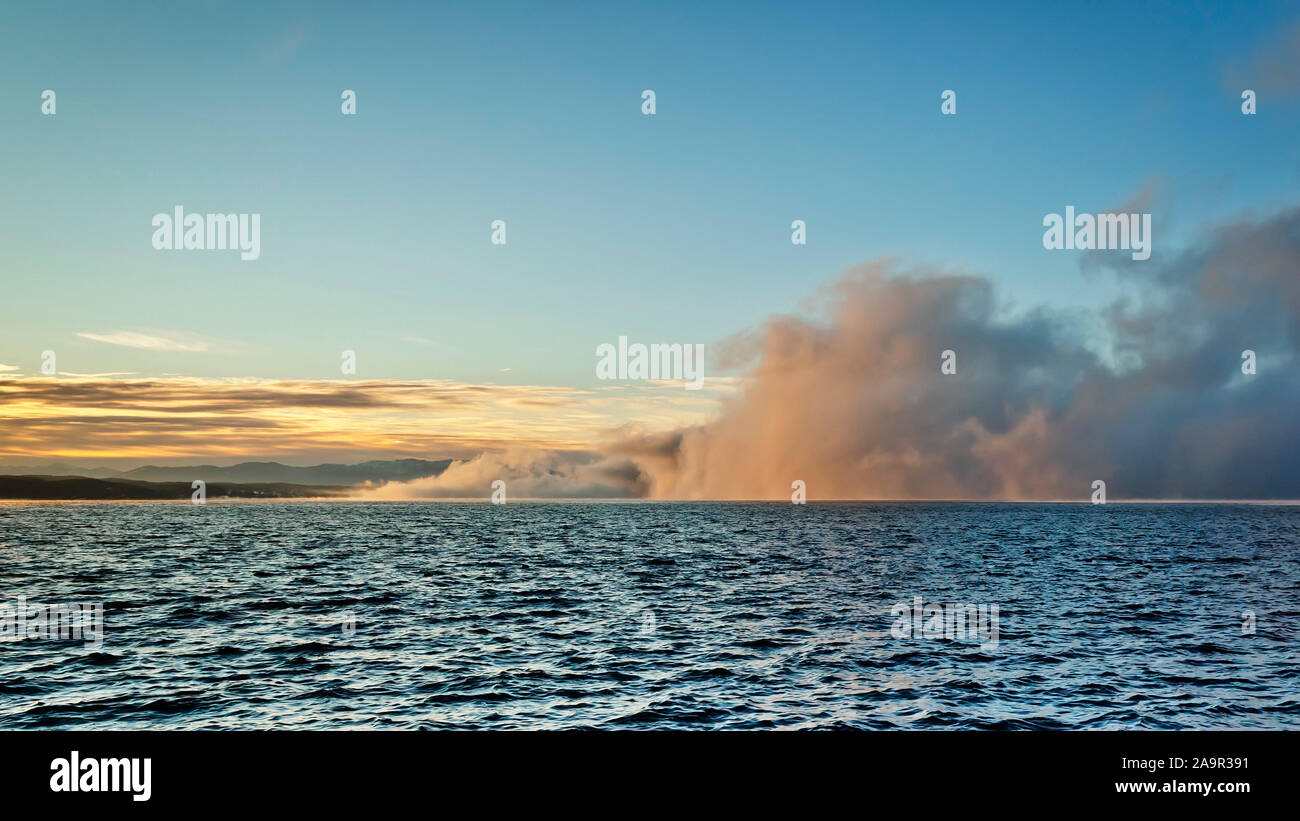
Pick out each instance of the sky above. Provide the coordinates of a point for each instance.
(673, 227)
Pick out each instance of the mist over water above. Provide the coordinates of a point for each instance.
(653, 615)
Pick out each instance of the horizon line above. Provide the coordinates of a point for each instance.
(589, 500)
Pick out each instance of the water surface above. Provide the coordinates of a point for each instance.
(654, 615)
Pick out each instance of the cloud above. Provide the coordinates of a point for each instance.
(852, 400)
(1147, 395)
(1273, 70)
(8, 368)
(102, 375)
(149, 342)
(846, 394)
(528, 474)
(169, 419)
(287, 44)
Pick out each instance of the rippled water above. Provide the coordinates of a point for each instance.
(653, 615)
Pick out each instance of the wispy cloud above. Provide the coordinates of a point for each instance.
(287, 44)
(149, 342)
(1273, 69)
(104, 375)
(7, 368)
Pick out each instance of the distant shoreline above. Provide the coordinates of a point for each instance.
(87, 489)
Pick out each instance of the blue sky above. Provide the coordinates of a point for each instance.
(674, 228)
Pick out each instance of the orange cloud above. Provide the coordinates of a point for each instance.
(182, 419)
